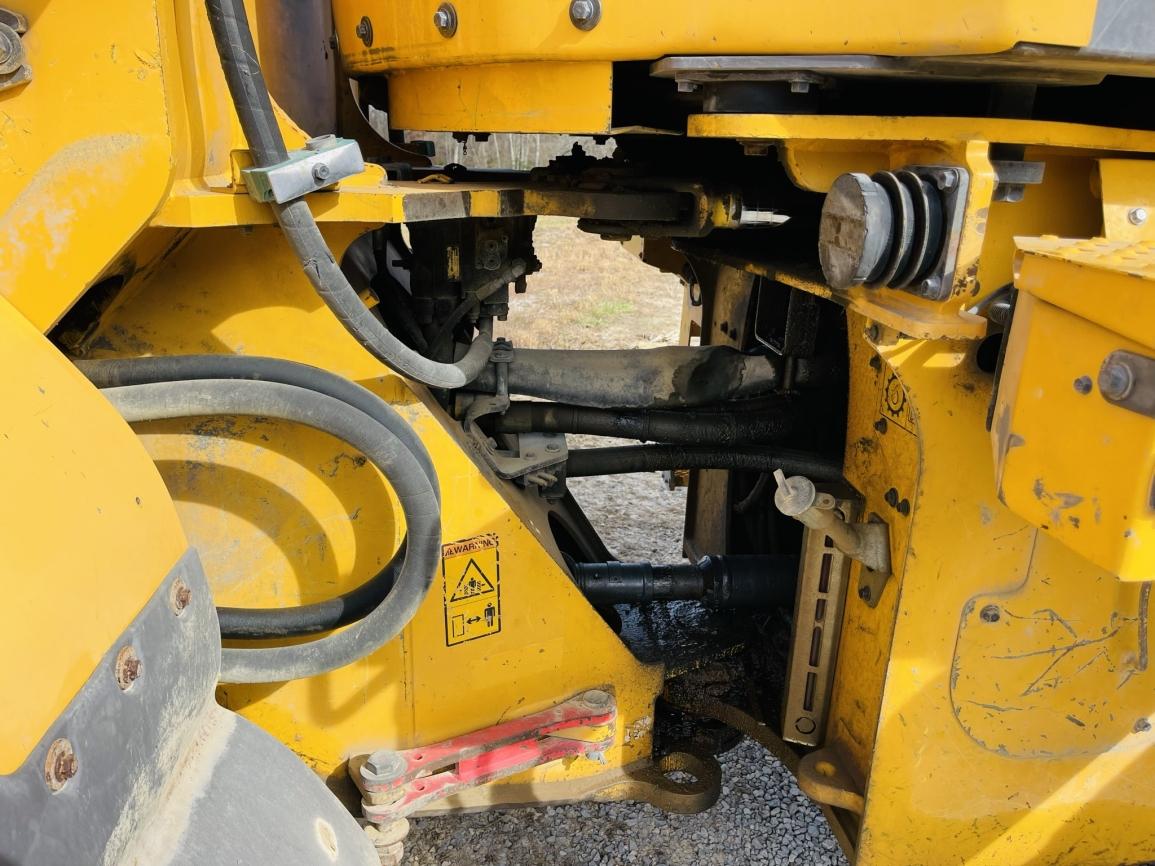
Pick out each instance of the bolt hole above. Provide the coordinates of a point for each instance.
(990, 613)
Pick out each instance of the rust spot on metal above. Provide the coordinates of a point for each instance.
(60, 764)
(128, 668)
(180, 596)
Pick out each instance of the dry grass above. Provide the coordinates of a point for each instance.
(591, 294)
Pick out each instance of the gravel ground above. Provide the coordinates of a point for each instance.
(762, 816)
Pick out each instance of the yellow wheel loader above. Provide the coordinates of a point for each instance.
(288, 553)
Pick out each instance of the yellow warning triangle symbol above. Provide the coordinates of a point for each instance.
(473, 583)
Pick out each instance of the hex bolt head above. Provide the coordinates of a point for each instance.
(320, 172)
(364, 30)
(179, 597)
(598, 699)
(445, 20)
(1137, 216)
(990, 613)
(1116, 380)
(60, 764)
(585, 14)
(129, 667)
(384, 765)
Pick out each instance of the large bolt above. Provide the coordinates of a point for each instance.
(384, 765)
(11, 50)
(364, 30)
(445, 20)
(1116, 379)
(129, 667)
(60, 764)
(585, 14)
(598, 699)
(1137, 216)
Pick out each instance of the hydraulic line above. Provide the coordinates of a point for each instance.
(254, 106)
(417, 496)
(622, 460)
(732, 427)
(248, 623)
(719, 581)
(668, 377)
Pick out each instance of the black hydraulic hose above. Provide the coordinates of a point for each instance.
(418, 499)
(254, 106)
(583, 462)
(686, 427)
(249, 623)
(720, 581)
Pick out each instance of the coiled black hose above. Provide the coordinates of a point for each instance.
(306, 619)
(407, 476)
(238, 55)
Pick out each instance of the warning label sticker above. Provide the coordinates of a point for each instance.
(471, 574)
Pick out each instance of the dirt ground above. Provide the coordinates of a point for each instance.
(617, 302)
(591, 294)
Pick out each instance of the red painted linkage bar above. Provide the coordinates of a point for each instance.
(418, 776)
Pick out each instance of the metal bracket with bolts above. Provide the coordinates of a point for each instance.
(322, 162)
(869, 543)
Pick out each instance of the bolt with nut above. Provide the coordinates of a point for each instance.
(445, 20)
(585, 14)
(364, 31)
(1116, 379)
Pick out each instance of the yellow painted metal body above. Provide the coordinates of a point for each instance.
(1005, 736)
(67, 599)
(283, 515)
(517, 66)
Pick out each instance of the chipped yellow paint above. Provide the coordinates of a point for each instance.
(1069, 461)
